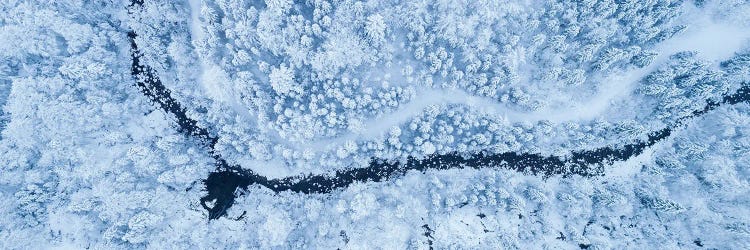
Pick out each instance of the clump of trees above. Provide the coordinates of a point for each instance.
(513, 51)
(683, 86)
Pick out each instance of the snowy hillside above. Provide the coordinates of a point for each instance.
(346, 124)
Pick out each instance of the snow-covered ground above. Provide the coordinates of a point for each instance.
(291, 88)
(715, 38)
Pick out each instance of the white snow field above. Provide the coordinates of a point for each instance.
(714, 37)
(161, 124)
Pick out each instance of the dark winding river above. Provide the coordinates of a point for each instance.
(222, 183)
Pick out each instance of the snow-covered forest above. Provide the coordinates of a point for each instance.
(206, 124)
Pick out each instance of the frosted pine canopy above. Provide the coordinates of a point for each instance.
(342, 124)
